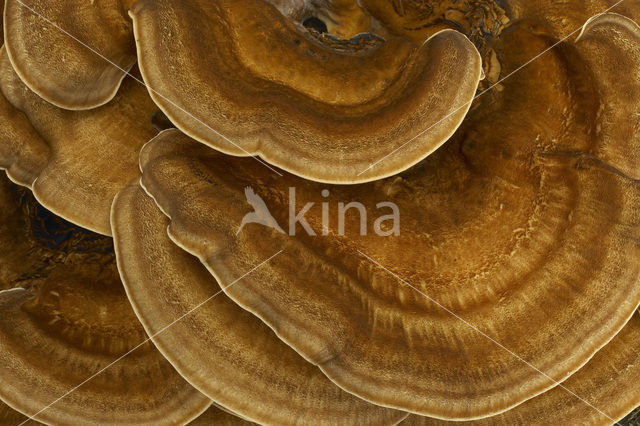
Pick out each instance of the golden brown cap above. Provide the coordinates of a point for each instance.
(224, 351)
(23, 153)
(75, 161)
(70, 52)
(64, 316)
(524, 230)
(321, 108)
(600, 393)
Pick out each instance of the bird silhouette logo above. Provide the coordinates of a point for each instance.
(261, 213)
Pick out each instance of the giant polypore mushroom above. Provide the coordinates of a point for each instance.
(515, 260)
(320, 108)
(67, 317)
(73, 53)
(75, 161)
(224, 351)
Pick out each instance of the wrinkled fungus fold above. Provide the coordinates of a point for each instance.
(75, 161)
(320, 108)
(224, 351)
(64, 317)
(73, 53)
(529, 232)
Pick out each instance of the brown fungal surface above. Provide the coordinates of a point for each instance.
(609, 382)
(75, 161)
(340, 18)
(559, 19)
(10, 416)
(219, 417)
(23, 153)
(417, 20)
(319, 108)
(617, 114)
(224, 351)
(64, 316)
(525, 225)
(481, 20)
(70, 52)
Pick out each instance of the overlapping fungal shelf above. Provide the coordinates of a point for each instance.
(175, 246)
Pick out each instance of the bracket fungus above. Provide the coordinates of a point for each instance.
(319, 111)
(75, 161)
(366, 272)
(531, 237)
(601, 392)
(222, 350)
(68, 318)
(73, 53)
